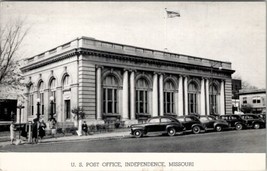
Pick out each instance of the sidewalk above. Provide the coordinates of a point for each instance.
(70, 138)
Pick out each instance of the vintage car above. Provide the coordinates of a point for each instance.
(160, 124)
(234, 121)
(211, 123)
(191, 123)
(253, 121)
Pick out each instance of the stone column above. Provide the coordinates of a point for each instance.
(155, 95)
(202, 97)
(125, 96)
(98, 93)
(46, 105)
(207, 97)
(180, 97)
(60, 105)
(161, 95)
(132, 95)
(222, 99)
(185, 95)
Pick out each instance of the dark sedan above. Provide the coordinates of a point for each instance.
(253, 121)
(211, 123)
(234, 121)
(191, 123)
(160, 124)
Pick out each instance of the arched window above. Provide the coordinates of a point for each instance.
(31, 103)
(110, 95)
(192, 98)
(141, 96)
(66, 82)
(168, 98)
(41, 96)
(213, 99)
(52, 86)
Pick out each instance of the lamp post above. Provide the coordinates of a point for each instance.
(51, 109)
(20, 106)
(212, 97)
(38, 109)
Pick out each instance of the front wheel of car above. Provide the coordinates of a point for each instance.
(196, 129)
(171, 131)
(218, 128)
(238, 126)
(138, 133)
(256, 126)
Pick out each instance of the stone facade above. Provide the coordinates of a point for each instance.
(110, 80)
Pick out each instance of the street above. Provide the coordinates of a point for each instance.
(244, 141)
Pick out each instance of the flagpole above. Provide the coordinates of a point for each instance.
(165, 41)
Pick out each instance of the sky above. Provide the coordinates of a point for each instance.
(229, 31)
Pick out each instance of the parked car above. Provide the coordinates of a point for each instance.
(160, 124)
(234, 121)
(191, 123)
(211, 123)
(253, 121)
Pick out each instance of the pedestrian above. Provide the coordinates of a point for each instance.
(85, 128)
(53, 126)
(42, 127)
(12, 133)
(35, 131)
(24, 131)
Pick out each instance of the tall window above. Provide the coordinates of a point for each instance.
(41, 96)
(213, 99)
(66, 82)
(192, 98)
(53, 93)
(110, 95)
(141, 96)
(31, 103)
(168, 98)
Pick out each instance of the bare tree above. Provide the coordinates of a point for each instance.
(11, 38)
(245, 84)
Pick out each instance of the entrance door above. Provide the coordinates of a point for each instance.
(67, 109)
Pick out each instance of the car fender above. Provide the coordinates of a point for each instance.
(221, 124)
(138, 128)
(201, 126)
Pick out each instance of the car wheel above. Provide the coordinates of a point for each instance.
(218, 128)
(238, 126)
(256, 126)
(196, 129)
(171, 131)
(138, 133)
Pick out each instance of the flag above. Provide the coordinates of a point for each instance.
(172, 14)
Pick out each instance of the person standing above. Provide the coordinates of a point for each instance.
(85, 128)
(12, 133)
(42, 129)
(35, 131)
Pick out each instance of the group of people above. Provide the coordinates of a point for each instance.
(37, 129)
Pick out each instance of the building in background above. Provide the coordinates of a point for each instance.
(128, 83)
(236, 87)
(254, 99)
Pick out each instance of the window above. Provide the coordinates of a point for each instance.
(168, 98)
(31, 103)
(181, 119)
(41, 96)
(67, 109)
(66, 82)
(244, 100)
(154, 120)
(53, 93)
(188, 119)
(203, 119)
(192, 98)
(213, 99)
(110, 93)
(256, 100)
(141, 96)
(166, 120)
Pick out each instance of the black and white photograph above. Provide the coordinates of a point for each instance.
(149, 85)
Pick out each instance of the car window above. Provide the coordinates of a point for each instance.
(181, 119)
(166, 120)
(203, 119)
(234, 117)
(188, 119)
(211, 118)
(154, 120)
(224, 117)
